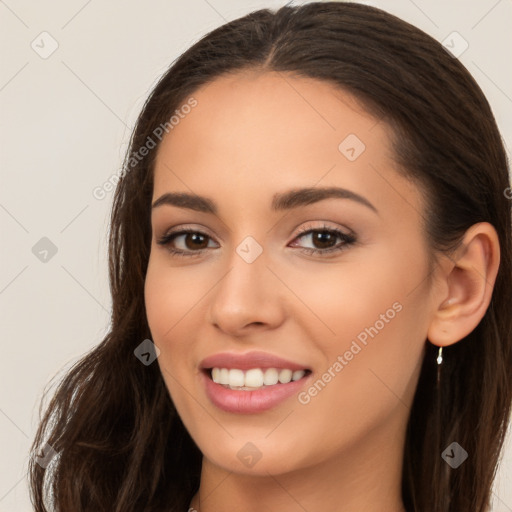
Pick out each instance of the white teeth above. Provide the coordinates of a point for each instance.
(285, 376)
(298, 374)
(271, 377)
(236, 377)
(255, 377)
(224, 376)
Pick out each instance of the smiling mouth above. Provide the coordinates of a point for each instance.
(254, 378)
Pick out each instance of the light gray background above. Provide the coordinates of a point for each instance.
(65, 124)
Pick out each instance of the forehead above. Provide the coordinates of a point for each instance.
(274, 110)
(252, 131)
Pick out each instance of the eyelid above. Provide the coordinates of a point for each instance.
(325, 226)
(303, 230)
(196, 228)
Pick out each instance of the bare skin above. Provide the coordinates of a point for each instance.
(249, 137)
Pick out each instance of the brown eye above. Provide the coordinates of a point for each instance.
(324, 240)
(187, 242)
(195, 241)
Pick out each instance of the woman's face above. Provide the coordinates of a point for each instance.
(356, 317)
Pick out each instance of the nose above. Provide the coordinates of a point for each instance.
(248, 297)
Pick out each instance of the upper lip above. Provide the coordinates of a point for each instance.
(248, 360)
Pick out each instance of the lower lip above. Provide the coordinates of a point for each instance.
(248, 402)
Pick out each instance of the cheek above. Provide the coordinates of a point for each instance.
(166, 303)
(371, 313)
(170, 294)
(346, 297)
(174, 298)
(367, 382)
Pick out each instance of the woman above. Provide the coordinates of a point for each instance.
(310, 264)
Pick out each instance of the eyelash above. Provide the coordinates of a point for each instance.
(348, 239)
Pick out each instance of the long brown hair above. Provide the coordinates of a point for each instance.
(118, 441)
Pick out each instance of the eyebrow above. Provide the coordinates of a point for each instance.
(281, 201)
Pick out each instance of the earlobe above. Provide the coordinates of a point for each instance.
(469, 278)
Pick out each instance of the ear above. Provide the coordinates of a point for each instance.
(466, 286)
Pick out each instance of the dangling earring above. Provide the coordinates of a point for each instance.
(439, 361)
(440, 356)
